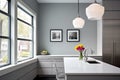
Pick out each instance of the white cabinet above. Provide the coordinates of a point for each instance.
(46, 65)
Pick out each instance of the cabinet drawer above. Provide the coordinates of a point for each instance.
(60, 70)
(45, 64)
(50, 71)
(46, 71)
(51, 64)
(45, 59)
(58, 59)
(59, 64)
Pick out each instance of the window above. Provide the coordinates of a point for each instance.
(4, 32)
(16, 43)
(24, 34)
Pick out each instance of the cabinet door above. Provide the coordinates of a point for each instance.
(108, 38)
(108, 51)
(117, 53)
(116, 26)
(111, 41)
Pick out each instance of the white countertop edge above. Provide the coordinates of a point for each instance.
(10, 68)
(92, 74)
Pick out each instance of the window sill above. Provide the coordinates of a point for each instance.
(10, 68)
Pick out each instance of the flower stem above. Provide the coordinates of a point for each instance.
(81, 56)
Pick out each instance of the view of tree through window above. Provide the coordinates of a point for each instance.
(4, 5)
(4, 25)
(24, 34)
(24, 30)
(4, 33)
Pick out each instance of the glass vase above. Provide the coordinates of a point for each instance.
(81, 56)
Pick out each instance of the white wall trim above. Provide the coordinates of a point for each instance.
(99, 37)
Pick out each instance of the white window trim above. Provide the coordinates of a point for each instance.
(14, 4)
(13, 31)
(14, 65)
(33, 13)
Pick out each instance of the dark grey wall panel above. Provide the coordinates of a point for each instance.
(22, 73)
(111, 15)
(60, 16)
(111, 4)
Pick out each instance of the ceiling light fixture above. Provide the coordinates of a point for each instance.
(95, 11)
(78, 22)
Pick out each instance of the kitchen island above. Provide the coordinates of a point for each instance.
(76, 69)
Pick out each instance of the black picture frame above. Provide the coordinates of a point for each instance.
(56, 35)
(73, 35)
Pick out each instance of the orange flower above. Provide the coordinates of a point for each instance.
(79, 47)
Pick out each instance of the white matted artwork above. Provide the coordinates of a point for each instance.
(56, 35)
(73, 35)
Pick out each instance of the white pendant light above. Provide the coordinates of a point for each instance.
(95, 11)
(78, 22)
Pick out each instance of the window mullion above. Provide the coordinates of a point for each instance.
(24, 10)
(13, 31)
(4, 37)
(24, 39)
(7, 14)
(24, 21)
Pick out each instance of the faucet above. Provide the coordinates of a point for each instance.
(86, 53)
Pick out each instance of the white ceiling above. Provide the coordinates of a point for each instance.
(67, 1)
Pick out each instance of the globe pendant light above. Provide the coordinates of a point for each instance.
(95, 11)
(78, 22)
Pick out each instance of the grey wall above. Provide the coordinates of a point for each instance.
(28, 72)
(60, 16)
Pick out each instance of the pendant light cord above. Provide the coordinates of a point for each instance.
(78, 9)
(95, 1)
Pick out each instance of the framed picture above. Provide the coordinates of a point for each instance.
(56, 35)
(73, 35)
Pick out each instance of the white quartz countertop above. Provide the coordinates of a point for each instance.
(74, 66)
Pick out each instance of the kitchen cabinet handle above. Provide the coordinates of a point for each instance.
(114, 51)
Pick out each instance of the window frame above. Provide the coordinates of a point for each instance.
(9, 31)
(12, 35)
(23, 39)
